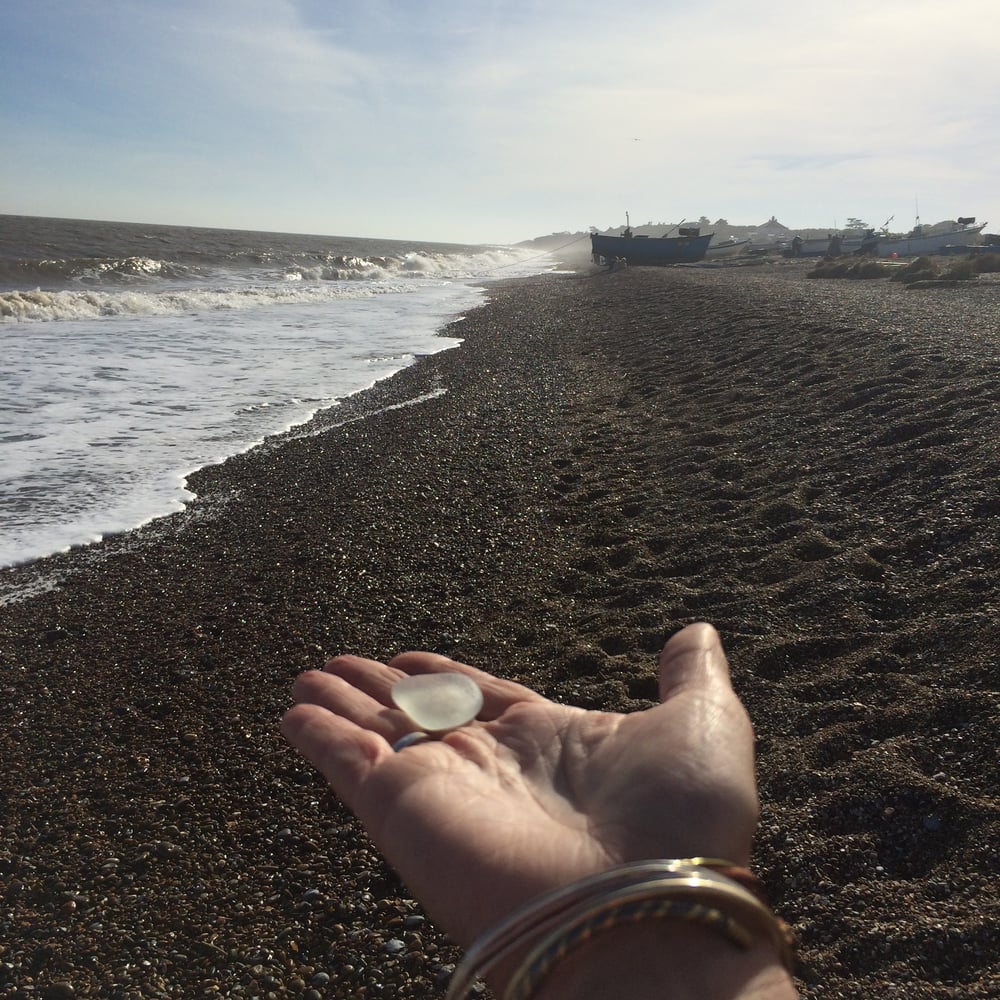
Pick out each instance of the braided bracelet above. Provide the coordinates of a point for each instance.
(708, 891)
(557, 946)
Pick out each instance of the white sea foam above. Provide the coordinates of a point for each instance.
(110, 416)
(37, 305)
(124, 373)
(299, 284)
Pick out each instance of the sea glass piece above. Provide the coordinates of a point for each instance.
(436, 702)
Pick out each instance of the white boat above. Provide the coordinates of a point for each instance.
(916, 244)
(726, 248)
(963, 233)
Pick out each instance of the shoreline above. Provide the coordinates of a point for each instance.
(34, 576)
(613, 455)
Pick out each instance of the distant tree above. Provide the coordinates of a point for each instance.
(703, 221)
(722, 222)
(853, 223)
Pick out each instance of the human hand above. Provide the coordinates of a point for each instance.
(533, 795)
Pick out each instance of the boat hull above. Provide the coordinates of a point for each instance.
(881, 246)
(731, 248)
(825, 247)
(655, 251)
(919, 246)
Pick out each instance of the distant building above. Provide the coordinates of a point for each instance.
(771, 231)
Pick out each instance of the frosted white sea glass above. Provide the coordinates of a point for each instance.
(437, 702)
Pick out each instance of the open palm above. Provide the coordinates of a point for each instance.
(533, 795)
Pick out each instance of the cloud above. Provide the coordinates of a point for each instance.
(500, 113)
(264, 56)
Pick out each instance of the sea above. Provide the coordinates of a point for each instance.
(132, 355)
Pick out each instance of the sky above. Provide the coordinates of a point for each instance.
(495, 121)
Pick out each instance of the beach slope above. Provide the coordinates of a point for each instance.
(811, 466)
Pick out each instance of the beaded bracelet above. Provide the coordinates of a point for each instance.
(709, 891)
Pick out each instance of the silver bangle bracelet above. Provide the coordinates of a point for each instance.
(551, 918)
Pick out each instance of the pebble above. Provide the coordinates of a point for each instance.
(68, 807)
(59, 991)
(437, 702)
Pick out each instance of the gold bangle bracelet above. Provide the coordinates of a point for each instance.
(713, 884)
(693, 894)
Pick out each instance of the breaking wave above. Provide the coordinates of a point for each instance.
(42, 306)
(92, 271)
(92, 288)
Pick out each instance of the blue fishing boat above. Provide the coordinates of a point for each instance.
(688, 247)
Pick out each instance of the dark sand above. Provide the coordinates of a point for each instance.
(812, 466)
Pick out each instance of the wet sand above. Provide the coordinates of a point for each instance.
(812, 466)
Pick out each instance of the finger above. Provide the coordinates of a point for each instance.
(344, 753)
(376, 679)
(339, 696)
(498, 695)
(373, 678)
(693, 658)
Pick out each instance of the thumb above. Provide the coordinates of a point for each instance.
(693, 659)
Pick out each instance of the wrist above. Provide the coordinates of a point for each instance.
(667, 960)
(696, 927)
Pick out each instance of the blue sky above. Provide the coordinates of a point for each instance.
(498, 120)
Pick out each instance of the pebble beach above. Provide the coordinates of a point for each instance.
(810, 465)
